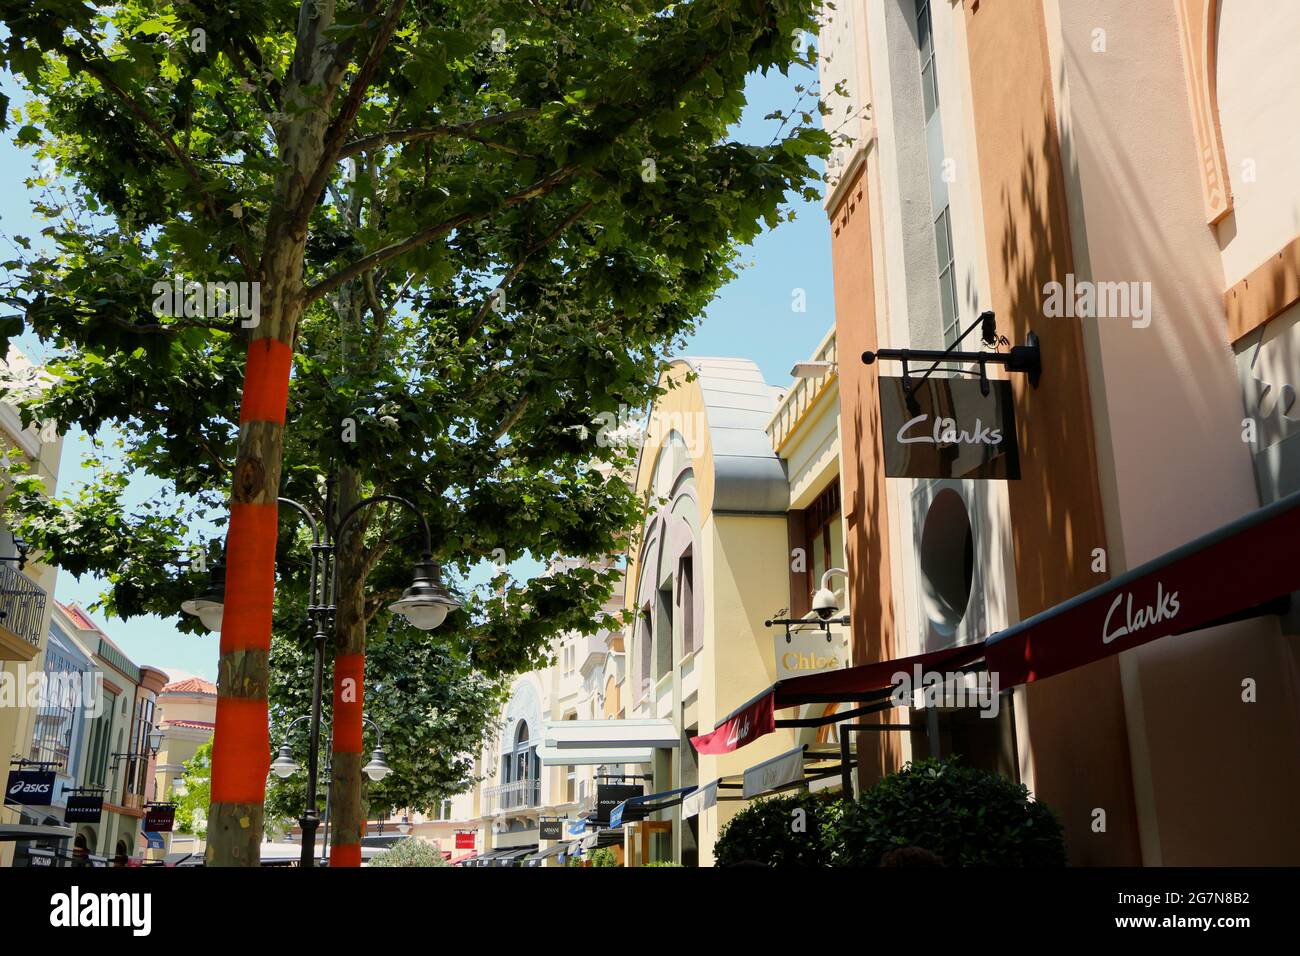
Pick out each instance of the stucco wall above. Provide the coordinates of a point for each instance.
(1137, 215)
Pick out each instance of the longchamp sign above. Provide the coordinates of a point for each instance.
(83, 809)
(952, 431)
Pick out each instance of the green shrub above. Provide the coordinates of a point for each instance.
(604, 857)
(773, 832)
(410, 852)
(663, 863)
(967, 817)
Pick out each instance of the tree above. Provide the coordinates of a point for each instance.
(192, 803)
(509, 209)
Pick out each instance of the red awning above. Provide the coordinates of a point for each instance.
(1245, 568)
(1218, 577)
(864, 682)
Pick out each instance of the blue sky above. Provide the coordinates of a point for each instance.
(752, 318)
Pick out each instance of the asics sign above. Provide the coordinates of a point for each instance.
(33, 788)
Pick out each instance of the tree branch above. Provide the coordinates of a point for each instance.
(414, 134)
(338, 128)
(518, 267)
(182, 158)
(393, 250)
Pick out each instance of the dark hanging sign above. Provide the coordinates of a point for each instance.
(610, 795)
(950, 430)
(31, 788)
(83, 809)
(551, 829)
(159, 817)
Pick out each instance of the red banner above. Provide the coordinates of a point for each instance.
(754, 721)
(465, 841)
(1243, 565)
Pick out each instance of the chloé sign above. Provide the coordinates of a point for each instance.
(807, 652)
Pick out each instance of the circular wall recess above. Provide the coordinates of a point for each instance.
(947, 561)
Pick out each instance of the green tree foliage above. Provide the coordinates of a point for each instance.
(779, 831)
(192, 805)
(531, 202)
(482, 224)
(410, 852)
(604, 857)
(432, 707)
(968, 817)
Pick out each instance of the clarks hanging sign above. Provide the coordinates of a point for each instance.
(951, 429)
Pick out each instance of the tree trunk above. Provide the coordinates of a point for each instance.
(349, 679)
(241, 743)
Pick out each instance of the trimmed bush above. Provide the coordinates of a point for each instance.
(778, 831)
(663, 863)
(410, 852)
(964, 816)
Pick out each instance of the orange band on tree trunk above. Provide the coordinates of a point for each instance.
(250, 579)
(349, 678)
(242, 747)
(345, 854)
(266, 381)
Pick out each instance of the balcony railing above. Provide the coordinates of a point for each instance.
(518, 795)
(22, 604)
(803, 394)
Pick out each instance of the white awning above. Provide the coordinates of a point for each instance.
(638, 733)
(701, 800)
(776, 772)
(594, 758)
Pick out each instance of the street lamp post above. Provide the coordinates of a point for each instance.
(425, 605)
(284, 766)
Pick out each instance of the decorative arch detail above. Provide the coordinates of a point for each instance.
(1198, 29)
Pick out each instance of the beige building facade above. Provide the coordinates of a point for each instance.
(1120, 180)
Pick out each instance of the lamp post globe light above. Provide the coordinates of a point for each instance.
(284, 766)
(425, 605)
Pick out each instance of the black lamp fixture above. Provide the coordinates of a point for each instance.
(427, 602)
(1025, 358)
(23, 549)
(209, 606)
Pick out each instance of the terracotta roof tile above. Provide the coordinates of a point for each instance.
(191, 685)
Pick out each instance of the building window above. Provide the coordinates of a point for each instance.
(823, 536)
(138, 764)
(941, 216)
(686, 602)
(97, 758)
(664, 632)
(644, 643)
(58, 718)
(925, 41)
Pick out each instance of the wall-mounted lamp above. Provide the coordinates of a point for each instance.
(812, 369)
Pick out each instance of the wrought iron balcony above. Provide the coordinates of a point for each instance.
(22, 605)
(518, 795)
